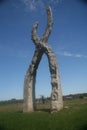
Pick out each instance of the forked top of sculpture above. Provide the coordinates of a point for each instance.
(45, 36)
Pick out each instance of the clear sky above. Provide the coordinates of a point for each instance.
(68, 40)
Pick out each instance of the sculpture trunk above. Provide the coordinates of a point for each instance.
(30, 78)
(29, 82)
(56, 95)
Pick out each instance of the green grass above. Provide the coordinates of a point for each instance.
(72, 117)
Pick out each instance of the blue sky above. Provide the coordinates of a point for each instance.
(68, 40)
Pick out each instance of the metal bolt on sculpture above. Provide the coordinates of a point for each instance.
(42, 47)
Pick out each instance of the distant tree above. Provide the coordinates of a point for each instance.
(81, 96)
(42, 99)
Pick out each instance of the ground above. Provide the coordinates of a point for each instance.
(72, 117)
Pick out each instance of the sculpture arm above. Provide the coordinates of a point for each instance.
(34, 35)
(49, 25)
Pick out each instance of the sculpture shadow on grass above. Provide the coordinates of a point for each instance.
(84, 127)
(43, 110)
(2, 127)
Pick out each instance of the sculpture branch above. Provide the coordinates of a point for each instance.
(34, 35)
(49, 25)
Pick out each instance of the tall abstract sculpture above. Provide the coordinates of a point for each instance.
(30, 78)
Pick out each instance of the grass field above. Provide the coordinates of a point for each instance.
(72, 117)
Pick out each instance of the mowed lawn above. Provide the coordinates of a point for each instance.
(72, 117)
